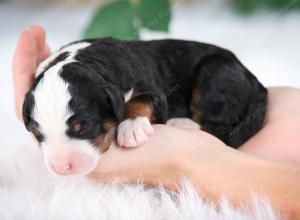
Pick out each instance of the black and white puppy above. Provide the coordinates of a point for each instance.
(88, 88)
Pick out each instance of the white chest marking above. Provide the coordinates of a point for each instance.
(128, 95)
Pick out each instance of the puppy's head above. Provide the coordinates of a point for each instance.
(72, 111)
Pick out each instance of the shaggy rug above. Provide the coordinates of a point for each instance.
(28, 192)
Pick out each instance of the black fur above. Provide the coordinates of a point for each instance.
(94, 100)
(165, 74)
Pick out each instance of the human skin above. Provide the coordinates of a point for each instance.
(279, 139)
(268, 163)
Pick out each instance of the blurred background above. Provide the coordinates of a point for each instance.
(264, 34)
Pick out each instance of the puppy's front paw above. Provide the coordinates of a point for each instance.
(134, 132)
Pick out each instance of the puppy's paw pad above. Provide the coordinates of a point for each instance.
(184, 123)
(134, 132)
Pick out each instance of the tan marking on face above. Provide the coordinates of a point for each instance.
(105, 140)
(36, 133)
(108, 125)
(196, 112)
(108, 138)
(77, 127)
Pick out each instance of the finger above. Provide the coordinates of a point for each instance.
(24, 66)
(46, 53)
(40, 35)
(119, 165)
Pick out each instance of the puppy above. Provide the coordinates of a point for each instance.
(91, 91)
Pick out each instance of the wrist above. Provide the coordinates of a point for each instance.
(192, 152)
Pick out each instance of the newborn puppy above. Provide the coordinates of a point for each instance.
(90, 92)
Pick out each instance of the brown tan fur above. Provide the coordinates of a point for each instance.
(105, 140)
(196, 113)
(136, 108)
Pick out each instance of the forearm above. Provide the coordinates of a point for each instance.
(237, 175)
(213, 168)
(219, 170)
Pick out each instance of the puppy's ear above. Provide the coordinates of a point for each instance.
(27, 110)
(116, 100)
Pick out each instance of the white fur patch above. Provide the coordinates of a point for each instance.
(72, 49)
(134, 132)
(128, 95)
(52, 98)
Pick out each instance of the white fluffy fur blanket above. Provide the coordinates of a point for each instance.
(28, 192)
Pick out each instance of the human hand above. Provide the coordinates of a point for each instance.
(279, 139)
(161, 160)
(30, 51)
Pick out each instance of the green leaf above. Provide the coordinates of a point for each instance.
(282, 6)
(154, 14)
(113, 20)
(246, 6)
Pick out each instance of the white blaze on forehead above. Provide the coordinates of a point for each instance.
(51, 111)
(72, 49)
(52, 98)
